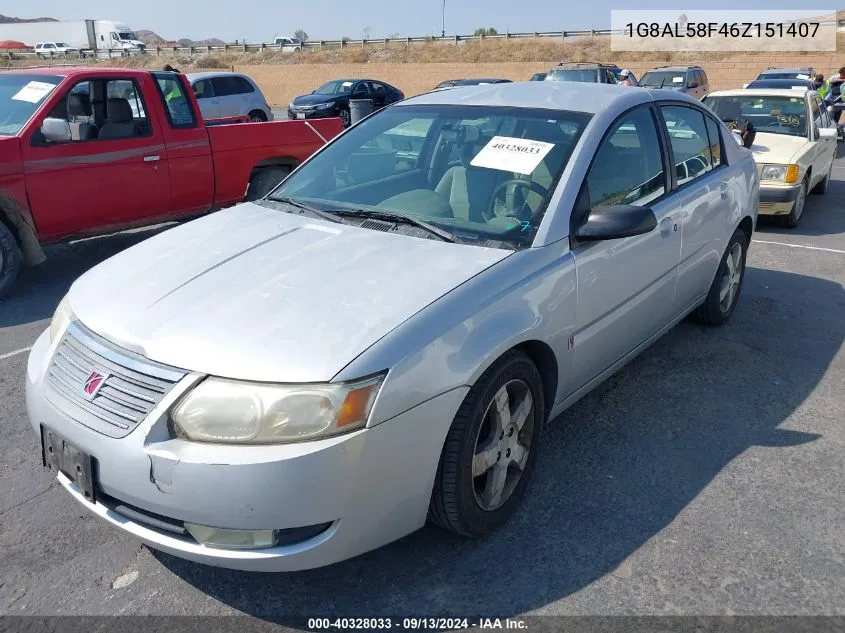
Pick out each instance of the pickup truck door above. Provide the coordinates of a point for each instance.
(117, 176)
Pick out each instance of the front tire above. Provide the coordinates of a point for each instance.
(346, 117)
(724, 291)
(490, 450)
(821, 188)
(793, 218)
(10, 259)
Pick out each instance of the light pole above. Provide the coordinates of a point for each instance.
(443, 25)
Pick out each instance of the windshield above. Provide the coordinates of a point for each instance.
(20, 96)
(588, 76)
(772, 114)
(335, 88)
(127, 35)
(664, 79)
(483, 174)
(62, 45)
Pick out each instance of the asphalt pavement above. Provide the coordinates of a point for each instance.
(706, 478)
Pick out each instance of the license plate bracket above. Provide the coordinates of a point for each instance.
(59, 455)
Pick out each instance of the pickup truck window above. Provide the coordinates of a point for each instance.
(20, 96)
(174, 100)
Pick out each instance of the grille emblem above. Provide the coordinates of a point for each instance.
(93, 384)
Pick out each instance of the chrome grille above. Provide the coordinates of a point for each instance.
(131, 386)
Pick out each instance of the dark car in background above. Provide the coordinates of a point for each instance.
(538, 77)
(691, 80)
(449, 83)
(781, 83)
(786, 73)
(332, 98)
(481, 81)
(586, 72)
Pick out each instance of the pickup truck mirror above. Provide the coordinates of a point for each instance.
(615, 222)
(56, 130)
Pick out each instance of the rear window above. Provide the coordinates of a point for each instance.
(175, 101)
(588, 75)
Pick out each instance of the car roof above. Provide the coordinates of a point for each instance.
(671, 68)
(777, 83)
(70, 71)
(573, 96)
(785, 70)
(488, 79)
(210, 74)
(762, 92)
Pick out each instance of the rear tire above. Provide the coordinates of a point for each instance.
(264, 180)
(257, 116)
(490, 450)
(793, 218)
(10, 259)
(724, 291)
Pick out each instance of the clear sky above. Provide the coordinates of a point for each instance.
(261, 20)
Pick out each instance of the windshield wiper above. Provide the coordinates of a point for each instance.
(331, 217)
(402, 219)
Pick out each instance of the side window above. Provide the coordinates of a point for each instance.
(690, 142)
(628, 168)
(378, 88)
(241, 85)
(362, 89)
(126, 89)
(715, 139)
(222, 87)
(203, 89)
(824, 114)
(702, 76)
(175, 101)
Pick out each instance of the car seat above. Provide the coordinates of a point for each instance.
(79, 106)
(119, 121)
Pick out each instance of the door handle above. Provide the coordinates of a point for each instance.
(152, 158)
(723, 189)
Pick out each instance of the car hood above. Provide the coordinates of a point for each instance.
(259, 294)
(777, 149)
(315, 99)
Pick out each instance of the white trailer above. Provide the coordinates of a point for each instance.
(86, 35)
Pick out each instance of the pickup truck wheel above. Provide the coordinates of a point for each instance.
(263, 181)
(257, 116)
(490, 450)
(793, 218)
(724, 292)
(10, 259)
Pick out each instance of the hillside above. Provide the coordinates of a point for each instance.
(5, 19)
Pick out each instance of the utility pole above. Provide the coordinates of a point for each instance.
(443, 25)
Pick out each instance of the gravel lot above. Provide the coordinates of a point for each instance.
(707, 478)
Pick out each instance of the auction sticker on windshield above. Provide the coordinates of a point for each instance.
(518, 155)
(33, 92)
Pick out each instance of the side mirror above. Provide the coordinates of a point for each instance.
(827, 132)
(615, 222)
(737, 136)
(56, 130)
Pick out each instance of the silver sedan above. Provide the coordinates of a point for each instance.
(377, 343)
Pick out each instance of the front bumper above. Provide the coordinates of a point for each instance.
(327, 113)
(371, 487)
(778, 199)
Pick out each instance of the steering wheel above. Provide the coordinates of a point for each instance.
(516, 182)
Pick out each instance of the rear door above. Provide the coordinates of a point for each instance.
(704, 186)
(87, 185)
(208, 101)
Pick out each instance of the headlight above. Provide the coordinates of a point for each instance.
(291, 105)
(61, 318)
(235, 412)
(780, 173)
(324, 106)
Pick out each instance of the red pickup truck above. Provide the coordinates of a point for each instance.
(88, 151)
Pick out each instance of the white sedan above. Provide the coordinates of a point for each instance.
(294, 381)
(794, 145)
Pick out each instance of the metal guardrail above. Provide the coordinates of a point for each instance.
(314, 44)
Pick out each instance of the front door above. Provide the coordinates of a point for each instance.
(209, 101)
(626, 287)
(117, 174)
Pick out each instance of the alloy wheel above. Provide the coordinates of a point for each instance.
(503, 444)
(731, 278)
